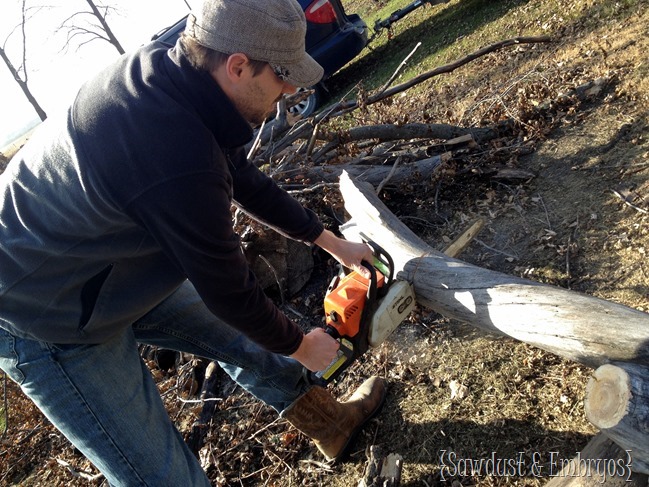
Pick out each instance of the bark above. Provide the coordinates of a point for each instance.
(579, 327)
(617, 402)
(281, 265)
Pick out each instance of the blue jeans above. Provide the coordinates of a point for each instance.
(104, 400)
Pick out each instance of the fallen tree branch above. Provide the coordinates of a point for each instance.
(423, 169)
(344, 107)
(385, 132)
(573, 325)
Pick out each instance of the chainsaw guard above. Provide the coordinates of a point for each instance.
(391, 311)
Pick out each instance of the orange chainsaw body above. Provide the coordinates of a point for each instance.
(344, 304)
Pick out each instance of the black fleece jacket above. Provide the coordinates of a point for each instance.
(148, 161)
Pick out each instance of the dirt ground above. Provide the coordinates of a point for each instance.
(582, 223)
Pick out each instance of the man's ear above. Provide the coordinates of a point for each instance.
(235, 66)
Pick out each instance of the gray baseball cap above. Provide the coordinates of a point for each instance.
(264, 30)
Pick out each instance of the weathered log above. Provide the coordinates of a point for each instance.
(372, 174)
(576, 326)
(617, 402)
(600, 463)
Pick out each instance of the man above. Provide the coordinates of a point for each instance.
(116, 228)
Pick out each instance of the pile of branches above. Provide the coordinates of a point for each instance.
(375, 153)
(311, 153)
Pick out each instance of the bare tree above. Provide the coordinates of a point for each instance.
(89, 30)
(19, 73)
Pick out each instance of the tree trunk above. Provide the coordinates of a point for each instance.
(106, 28)
(600, 463)
(582, 328)
(617, 402)
(23, 85)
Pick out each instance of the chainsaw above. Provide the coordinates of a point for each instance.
(361, 313)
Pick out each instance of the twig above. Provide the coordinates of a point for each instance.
(422, 221)
(621, 166)
(399, 68)
(294, 311)
(5, 406)
(253, 474)
(170, 390)
(312, 189)
(547, 216)
(82, 475)
(199, 401)
(257, 142)
(389, 176)
(628, 203)
(259, 431)
(494, 250)
(322, 465)
(500, 96)
(312, 140)
(568, 256)
(267, 450)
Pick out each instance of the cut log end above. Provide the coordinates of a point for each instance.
(608, 394)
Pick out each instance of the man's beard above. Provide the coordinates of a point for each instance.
(250, 109)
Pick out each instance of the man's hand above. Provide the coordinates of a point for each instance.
(316, 351)
(349, 254)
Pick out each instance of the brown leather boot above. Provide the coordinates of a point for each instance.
(332, 425)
